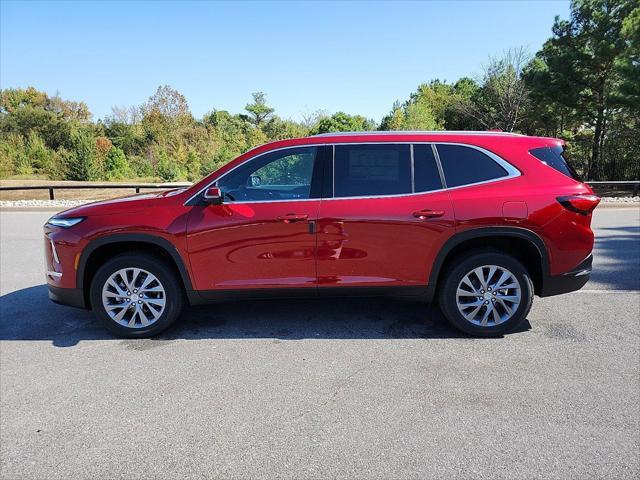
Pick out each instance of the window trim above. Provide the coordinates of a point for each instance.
(333, 168)
(512, 171)
(319, 158)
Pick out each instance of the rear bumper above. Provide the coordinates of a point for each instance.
(567, 282)
(72, 297)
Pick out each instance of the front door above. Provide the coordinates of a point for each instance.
(263, 234)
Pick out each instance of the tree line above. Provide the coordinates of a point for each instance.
(583, 86)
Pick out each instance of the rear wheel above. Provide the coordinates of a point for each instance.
(486, 293)
(136, 295)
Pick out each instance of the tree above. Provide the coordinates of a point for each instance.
(628, 64)
(82, 162)
(502, 97)
(167, 102)
(395, 119)
(435, 105)
(278, 129)
(343, 122)
(579, 66)
(116, 166)
(259, 111)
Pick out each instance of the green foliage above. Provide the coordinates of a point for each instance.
(343, 122)
(116, 166)
(259, 111)
(193, 166)
(140, 166)
(12, 155)
(583, 86)
(166, 168)
(434, 106)
(83, 160)
(580, 70)
(628, 64)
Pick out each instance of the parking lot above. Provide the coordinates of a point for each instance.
(316, 389)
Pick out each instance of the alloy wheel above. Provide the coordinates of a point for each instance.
(488, 295)
(133, 297)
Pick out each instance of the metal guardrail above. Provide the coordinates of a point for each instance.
(136, 186)
(634, 183)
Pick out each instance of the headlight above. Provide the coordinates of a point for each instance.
(64, 222)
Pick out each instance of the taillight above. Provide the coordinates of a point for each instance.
(582, 204)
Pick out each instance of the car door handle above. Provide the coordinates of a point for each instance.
(292, 217)
(426, 213)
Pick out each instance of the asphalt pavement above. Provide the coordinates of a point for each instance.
(317, 389)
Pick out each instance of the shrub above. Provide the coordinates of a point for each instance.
(57, 167)
(166, 168)
(82, 161)
(37, 154)
(194, 166)
(115, 165)
(140, 166)
(11, 149)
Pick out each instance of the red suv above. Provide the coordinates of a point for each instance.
(480, 221)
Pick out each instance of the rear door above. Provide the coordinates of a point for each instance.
(386, 217)
(263, 234)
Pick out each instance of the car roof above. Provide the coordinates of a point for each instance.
(419, 132)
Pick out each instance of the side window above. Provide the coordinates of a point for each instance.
(372, 169)
(554, 157)
(465, 165)
(281, 175)
(425, 169)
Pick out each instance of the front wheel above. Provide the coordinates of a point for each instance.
(486, 293)
(136, 295)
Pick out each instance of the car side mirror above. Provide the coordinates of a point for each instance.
(212, 196)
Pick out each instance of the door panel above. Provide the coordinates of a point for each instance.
(263, 234)
(379, 241)
(236, 246)
(382, 236)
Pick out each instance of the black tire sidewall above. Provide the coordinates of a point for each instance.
(164, 273)
(455, 273)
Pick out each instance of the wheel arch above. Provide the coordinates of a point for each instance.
(522, 243)
(94, 254)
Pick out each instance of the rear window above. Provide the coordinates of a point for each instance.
(465, 165)
(554, 157)
(366, 170)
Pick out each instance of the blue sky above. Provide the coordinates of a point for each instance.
(356, 57)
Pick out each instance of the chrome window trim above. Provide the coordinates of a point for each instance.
(512, 172)
(333, 172)
(217, 179)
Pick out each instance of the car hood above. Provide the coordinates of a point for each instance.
(121, 205)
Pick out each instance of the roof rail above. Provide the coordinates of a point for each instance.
(419, 132)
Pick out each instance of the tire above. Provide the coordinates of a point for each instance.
(461, 291)
(155, 308)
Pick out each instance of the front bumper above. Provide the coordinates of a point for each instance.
(568, 282)
(72, 297)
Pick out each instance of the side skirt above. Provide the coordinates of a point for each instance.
(201, 297)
